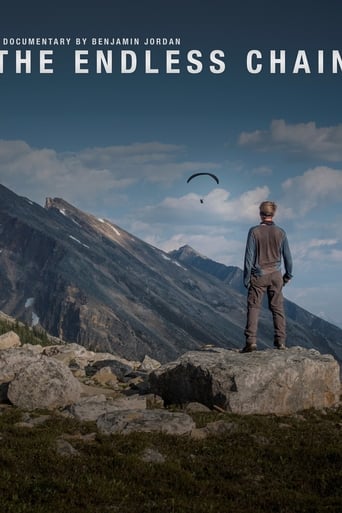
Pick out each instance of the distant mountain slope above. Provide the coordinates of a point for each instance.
(323, 334)
(230, 275)
(87, 280)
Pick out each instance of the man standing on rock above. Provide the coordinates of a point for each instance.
(266, 247)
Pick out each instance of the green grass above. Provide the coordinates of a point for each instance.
(268, 464)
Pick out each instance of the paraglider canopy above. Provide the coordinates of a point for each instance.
(200, 174)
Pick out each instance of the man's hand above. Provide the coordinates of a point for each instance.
(286, 279)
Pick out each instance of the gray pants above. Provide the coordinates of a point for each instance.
(272, 284)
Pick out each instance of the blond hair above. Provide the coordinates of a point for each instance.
(268, 208)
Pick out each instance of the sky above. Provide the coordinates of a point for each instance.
(112, 105)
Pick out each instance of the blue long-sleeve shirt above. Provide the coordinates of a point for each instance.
(266, 246)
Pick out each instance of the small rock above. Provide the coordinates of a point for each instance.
(152, 456)
(64, 448)
(9, 339)
(145, 421)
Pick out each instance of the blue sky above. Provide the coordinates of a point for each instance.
(122, 145)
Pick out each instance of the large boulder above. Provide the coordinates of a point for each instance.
(30, 380)
(262, 382)
(13, 360)
(44, 383)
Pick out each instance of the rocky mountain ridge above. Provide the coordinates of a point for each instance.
(88, 281)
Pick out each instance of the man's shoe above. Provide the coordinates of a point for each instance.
(280, 346)
(249, 348)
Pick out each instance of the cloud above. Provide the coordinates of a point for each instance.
(316, 258)
(319, 187)
(154, 161)
(323, 300)
(314, 247)
(91, 173)
(302, 138)
(217, 207)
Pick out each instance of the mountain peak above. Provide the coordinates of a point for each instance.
(61, 205)
(186, 251)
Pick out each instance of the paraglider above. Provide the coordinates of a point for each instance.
(200, 174)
